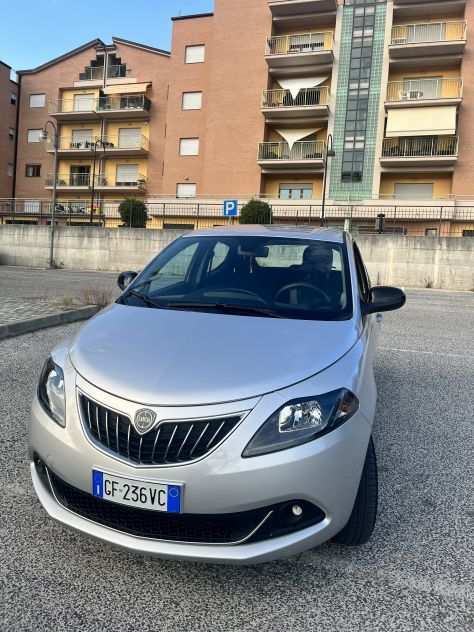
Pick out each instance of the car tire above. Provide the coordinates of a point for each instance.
(362, 521)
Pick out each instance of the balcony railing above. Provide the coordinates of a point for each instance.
(420, 147)
(126, 102)
(111, 143)
(301, 150)
(422, 33)
(73, 179)
(123, 102)
(104, 181)
(307, 97)
(92, 73)
(300, 43)
(69, 179)
(115, 71)
(424, 89)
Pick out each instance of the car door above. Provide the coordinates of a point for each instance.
(371, 322)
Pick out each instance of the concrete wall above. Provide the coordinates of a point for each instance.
(446, 263)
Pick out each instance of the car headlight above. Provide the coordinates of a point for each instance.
(302, 420)
(51, 392)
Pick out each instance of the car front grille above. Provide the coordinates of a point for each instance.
(229, 528)
(169, 442)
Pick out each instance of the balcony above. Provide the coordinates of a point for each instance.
(422, 92)
(124, 106)
(429, 8)
(83, 182)
(114, 146)
(70, 181)
(92, 73)
(303, 52)
(304, 156)
(420, 151)
(104, 183)
(413, 42)
(309, 104)
(302, 13)
(117, 71)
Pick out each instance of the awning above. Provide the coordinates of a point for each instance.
(293, 135)
(424, 121)
(295, 85)
(126, 88)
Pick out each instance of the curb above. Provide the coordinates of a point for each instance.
(43, 322)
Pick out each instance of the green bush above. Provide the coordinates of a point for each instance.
(256, 212)
(133, 213)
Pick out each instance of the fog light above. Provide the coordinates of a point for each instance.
(297, 510)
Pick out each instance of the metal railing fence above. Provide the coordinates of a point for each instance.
(426, 32)
(424, 89)
(420, 146)
(422, 220)
(300, 43)
(307, 97)
(301, 150)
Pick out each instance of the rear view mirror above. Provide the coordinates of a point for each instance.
(125, 278)
(384, 299)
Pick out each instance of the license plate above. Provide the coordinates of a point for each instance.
(126, 491)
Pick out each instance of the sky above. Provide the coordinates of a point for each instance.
(34, 31)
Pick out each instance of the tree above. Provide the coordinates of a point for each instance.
(133, 213)
(256, 212)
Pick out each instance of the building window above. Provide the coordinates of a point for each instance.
(34, 135)
(10, 169)
(413, 190)
(33, 171)
(11, 133)
(37, 100)
(195, 54)
(13, 98)
(186, 190)
(127, 174)
(189, 146)
(178, 226)
(431, 232)
(192, 100)
(81, 138)
(295, 191)
(129, 137)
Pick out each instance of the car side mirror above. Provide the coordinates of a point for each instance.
(384, 299)
(125, 278)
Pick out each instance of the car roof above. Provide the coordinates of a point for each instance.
(290, 232)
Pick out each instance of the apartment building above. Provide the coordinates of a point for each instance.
(8, 109)
(370, 100)
(106, 106)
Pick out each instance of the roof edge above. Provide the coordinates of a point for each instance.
(56, 60)
(192, 17)
(4, 64)
(146, 47)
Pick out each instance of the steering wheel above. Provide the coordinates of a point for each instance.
(240, 291)
(302, 284)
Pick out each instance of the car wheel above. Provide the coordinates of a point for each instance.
(362, 521)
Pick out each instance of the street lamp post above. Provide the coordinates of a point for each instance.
(44, 136)
(99, 142)
(329, 153)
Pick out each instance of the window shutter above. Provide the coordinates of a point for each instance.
(127, 174)
(195, 54)
(185, 190)
(192, 100)
(189, 147)
(129, 137)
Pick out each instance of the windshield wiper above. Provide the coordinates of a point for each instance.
(143, 297)
(228, 307)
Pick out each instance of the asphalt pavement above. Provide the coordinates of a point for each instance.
(416, 573)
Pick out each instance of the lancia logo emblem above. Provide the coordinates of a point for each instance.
(144, 420)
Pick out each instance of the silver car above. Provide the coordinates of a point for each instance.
(222, 408)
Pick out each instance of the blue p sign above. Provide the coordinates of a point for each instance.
(231, 208)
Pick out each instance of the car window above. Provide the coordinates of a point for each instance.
(362, 276)
(288, 277)
(175, 270)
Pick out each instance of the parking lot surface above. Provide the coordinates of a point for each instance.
(416, 573)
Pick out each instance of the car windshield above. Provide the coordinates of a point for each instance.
(277, 277)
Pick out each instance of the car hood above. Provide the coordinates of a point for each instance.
(181, 358)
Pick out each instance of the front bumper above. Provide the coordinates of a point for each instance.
(324, 472)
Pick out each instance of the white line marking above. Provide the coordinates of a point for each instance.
(435, 353)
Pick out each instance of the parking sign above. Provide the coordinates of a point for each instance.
(231, 208)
